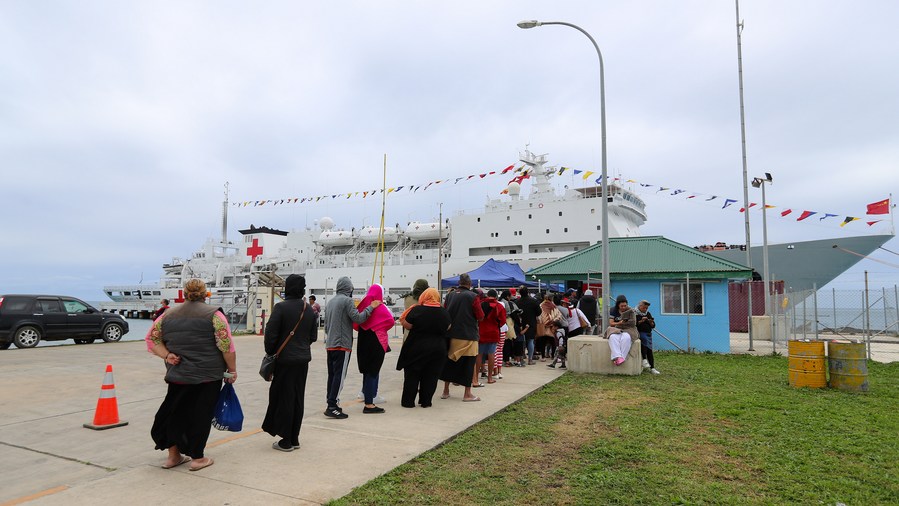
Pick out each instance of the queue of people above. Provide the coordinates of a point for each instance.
(464, 339)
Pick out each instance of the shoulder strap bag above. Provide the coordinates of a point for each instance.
(267, 369)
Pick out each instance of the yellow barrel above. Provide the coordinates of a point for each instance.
(848, 366)
(806, 364)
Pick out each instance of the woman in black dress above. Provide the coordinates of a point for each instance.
(288, 389)
(424, 351)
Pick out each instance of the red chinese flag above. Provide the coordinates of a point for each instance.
(882, 207)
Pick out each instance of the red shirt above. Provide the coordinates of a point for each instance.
(488, 328)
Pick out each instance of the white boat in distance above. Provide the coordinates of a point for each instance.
(530, 230)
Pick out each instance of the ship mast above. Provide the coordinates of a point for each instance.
(381, 242)
(225, 216)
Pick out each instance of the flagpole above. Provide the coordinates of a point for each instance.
(892, 223)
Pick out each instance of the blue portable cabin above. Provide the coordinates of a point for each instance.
(694, 315)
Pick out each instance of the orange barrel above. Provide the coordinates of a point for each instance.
(848, 366)
(807, 364)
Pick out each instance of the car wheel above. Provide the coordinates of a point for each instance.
(5, 346)
(112, 333)
(27, 337)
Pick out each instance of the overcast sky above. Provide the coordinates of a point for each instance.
(120, 122)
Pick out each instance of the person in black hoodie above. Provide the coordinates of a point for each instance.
(288, 388)
(530, 309)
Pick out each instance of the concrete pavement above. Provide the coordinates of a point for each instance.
(48, 458)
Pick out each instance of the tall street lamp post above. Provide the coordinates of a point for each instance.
(605, 186)
(766, 279)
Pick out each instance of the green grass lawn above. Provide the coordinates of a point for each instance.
(712, 429)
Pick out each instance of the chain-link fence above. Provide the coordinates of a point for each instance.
(870, 316)
(845, 313)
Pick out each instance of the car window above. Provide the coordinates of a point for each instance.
(74, 306)
(15, 304)
(49, 306)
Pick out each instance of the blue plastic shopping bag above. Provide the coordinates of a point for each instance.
(228, 415)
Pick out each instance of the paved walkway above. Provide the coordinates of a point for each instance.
(48, 458)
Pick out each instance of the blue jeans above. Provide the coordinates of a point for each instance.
(369, 387)
(530, 343)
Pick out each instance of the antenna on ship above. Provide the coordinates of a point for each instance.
(225, 216)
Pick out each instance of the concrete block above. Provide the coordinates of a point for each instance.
(592, 354)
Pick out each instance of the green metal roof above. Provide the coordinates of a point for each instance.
(641, 258)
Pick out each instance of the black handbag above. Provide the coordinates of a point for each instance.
(267, 369)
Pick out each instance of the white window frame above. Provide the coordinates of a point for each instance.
(683, 298)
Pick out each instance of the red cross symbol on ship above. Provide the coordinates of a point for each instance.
(254, 251)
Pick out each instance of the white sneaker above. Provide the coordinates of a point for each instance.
(645, 364)
(654, 371)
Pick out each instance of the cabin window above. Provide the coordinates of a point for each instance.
(593, 211)
(513, 251)
(679, 299)
(529, 216)
(547, 231)
(560, 213)
(566, 229)
(508, 218)
(479, 220)
(597, 227)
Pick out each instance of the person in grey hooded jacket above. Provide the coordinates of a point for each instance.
(340, 315)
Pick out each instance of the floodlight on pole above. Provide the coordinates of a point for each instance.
(606, 285)
(766, 280)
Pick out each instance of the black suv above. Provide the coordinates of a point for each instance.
(26, 319)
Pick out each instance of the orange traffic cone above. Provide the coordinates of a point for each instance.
(107, 413)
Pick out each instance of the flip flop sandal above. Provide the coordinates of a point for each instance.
(203, 466)
(474, 399)
(477, 385)
(445, 396)
(184, 459)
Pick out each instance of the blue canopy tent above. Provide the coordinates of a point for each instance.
(493, 274)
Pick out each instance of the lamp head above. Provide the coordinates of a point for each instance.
(768, 177)
(756, 182)
(529, 24)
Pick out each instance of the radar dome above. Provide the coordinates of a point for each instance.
(514, 188)
(326, 223)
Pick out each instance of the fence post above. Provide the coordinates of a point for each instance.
(896, 302)
(815, 299)
(867, 317)
(689, 309)
(804, 317)
(885, 322)
(834, 291)
(793, 315)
